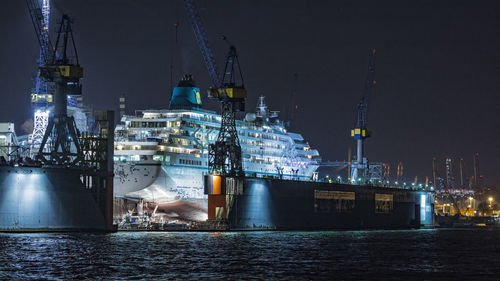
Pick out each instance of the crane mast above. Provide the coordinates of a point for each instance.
(225, 153)
(360, 132)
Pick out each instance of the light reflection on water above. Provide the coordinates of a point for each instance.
(344, 255)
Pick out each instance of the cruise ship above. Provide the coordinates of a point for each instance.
(162, 155)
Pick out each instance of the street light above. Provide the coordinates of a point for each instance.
(490, 199)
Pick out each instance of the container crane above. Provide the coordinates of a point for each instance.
(360, 131)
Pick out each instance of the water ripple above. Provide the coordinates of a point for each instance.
(347, 255)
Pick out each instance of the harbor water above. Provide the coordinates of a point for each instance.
(436, 254)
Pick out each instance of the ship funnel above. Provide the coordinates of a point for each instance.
(186, 95)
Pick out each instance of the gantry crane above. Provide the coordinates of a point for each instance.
(360, 131)
(225, 153)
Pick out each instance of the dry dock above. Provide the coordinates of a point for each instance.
(273, 204)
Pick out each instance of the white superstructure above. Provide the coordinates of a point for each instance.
(162, 155)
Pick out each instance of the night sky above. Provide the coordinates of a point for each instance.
(437, 68)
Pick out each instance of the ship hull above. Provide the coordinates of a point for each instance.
(34, 199)
(130, 177)
(164, 183)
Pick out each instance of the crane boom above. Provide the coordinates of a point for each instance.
(364, 104)
(201, 38)
(39, 12)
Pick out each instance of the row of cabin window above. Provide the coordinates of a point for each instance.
(190, 162)
(144, 124)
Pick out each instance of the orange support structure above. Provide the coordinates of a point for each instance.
(217, 206)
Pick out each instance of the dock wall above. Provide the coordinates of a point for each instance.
(47, 199)
(298, 205)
